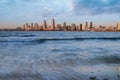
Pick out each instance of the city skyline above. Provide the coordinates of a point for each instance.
(53, 26)
(16, 12)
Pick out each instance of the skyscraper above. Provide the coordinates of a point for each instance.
(31, 27)
(118, 26)
(23, 28)
(58, 27)
(64, 26)
(91, 25)
(86, 25)
(53, 24)
(73, 27)
(44, 24)
(36, 26)
(26, 26)
(80, 27)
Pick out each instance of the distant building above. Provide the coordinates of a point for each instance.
(23, 27)
(18, 28)
(86, 25)
(31, 27)
(44, 25)
(49, 27)
(73, 27)
(36, 26)
(101, 28)
(118, 26)
(91, 25)
(26, 26)
(79, 27)
(53, 24)
(58, 27)
(64, 26)
(68, 28)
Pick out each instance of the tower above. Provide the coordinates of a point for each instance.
(53, 24)
(36, 26)
(86, 25)
(44, 24)
(118, 26)
(91, 25)
(26, 25)
(80, 27)
(73, 27)
(64, 26)
(23, 28)
(31, 27)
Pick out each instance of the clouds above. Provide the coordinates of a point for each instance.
(31, 10)
(57, 7)
(40, 8)
(94, 7)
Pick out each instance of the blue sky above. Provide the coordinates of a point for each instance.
(15, 12)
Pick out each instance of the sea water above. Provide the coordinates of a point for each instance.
(58, 55)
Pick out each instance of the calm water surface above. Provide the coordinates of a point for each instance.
(59, 55)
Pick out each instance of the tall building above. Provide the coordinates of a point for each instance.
(53, 24)
(44, 25)
(58, 27)
(23, 27)
(26, 26)
(80, 27)
(73, 27)
(31, 27)
(64, 26)
(36, 26)
(91, 25)
(86, 25)
(118, 26)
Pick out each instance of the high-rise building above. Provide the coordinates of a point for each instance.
(86, 25)
(58, 27)
(44, 25)
(23, 27)
(53, 24)
(31, 27)
(26, 26)
(36, 26)
(118, 26)
(91, 25)
(73, 27)
(64, 26)
(80, 27)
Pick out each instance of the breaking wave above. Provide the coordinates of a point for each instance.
(34, 39)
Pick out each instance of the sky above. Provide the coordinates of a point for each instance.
(14, 13)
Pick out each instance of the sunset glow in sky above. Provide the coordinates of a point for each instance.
(16, 12)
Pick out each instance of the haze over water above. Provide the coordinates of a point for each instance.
(57, 55)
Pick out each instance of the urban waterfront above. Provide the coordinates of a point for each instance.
(53, 26)
(59, 55)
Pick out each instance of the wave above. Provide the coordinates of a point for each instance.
(88, 38)
(17, 39)
(17, 35)
(112, 59)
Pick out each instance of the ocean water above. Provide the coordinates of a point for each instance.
(57, 55)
